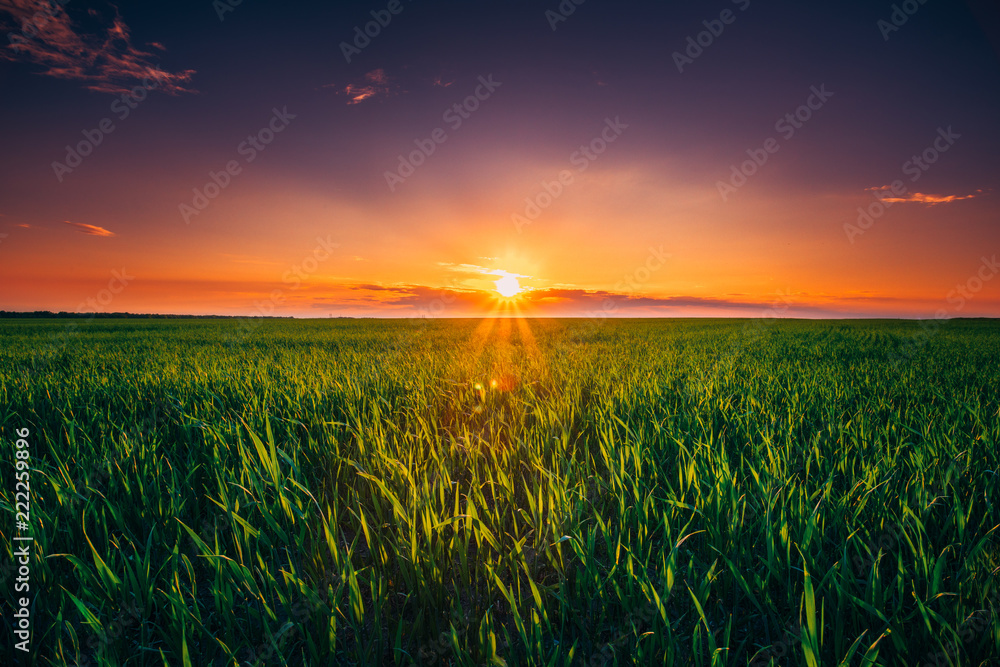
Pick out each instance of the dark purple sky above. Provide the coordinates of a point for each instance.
(643, 223)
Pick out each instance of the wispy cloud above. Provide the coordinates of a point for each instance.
(44, 34)
(376, 83)
(474, 270)
(92, 230)
(921, 198)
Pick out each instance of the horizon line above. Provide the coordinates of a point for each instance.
(48, 314)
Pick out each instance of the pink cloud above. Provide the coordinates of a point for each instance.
(44, 34)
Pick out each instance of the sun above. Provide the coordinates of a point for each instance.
(507, 286)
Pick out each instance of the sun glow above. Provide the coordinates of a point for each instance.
(508, 286)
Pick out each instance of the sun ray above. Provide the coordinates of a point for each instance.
(463, 366)
(530, 345)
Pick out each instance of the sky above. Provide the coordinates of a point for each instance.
(454, 159)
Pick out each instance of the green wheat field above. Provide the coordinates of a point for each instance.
(506, 492)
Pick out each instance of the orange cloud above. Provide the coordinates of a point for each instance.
(44, 35)
(376, 83)
(921, 198)
(92, 230)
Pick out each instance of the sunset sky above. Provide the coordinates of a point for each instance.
(583, 159)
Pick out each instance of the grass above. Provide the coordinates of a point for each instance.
(543, 492)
